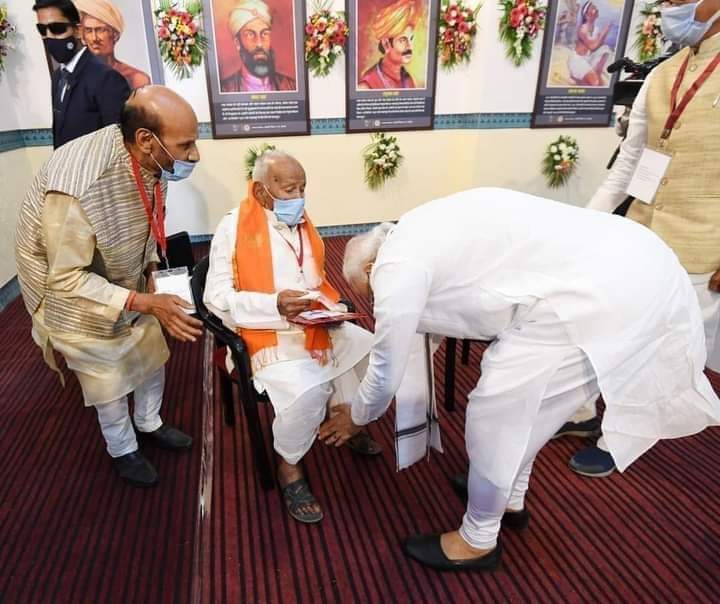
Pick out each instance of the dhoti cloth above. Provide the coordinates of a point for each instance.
(301, 389)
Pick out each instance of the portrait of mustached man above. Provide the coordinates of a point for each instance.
(250, 24)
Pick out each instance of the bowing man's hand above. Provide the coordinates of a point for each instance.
(714, 284)
(290, 305)
(168, 309)
(340, 427)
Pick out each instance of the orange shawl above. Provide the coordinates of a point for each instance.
(252, 267)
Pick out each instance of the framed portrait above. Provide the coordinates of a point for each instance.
(121, 33)
(581, 40)
(257, 80)
(391, 66)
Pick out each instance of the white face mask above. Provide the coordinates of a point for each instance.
(680, 27)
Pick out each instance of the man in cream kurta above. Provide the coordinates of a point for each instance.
(299, 386)
(685, 212)
(84, 253)
(569, 317)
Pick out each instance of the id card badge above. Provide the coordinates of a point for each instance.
(649, 172)
(175, 281)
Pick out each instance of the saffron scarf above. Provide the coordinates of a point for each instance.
(253, 271)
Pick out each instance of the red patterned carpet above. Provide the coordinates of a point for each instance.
(70, 532)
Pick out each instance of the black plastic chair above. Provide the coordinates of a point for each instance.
(179, 252)
(242, 376)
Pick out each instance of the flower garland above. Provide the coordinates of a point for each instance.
(382, 159)
(457, 29)
(181, 40)
(251, 156)
(7, 32)
(520, 24)
(648, 35)
(560, 161)
(325, 35)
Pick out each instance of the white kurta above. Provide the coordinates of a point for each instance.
(475, 265)
(294, 371)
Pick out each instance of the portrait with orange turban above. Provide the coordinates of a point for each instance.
(102, 24)
(392, 43)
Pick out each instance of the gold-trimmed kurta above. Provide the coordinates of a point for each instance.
(82, 243)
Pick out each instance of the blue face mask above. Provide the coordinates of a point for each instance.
(680, 27)
(289, 211)
(181, 169)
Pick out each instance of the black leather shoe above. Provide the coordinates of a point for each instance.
(167, 437)
(516, 521)
(427, 550)
(136, 470)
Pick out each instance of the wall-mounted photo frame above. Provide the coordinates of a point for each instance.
(391, 64)
(256, 73)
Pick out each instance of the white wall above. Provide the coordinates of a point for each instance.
(436, 162)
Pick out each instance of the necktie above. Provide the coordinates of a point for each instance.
(63, 81)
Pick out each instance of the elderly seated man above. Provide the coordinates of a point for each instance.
(265, 258)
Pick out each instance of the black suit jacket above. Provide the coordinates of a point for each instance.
(94, 99)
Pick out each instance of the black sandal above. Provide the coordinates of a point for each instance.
(362, 444)
(297, 494)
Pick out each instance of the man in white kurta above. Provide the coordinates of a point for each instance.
(569, 317)
(685, 212)
(298, 385)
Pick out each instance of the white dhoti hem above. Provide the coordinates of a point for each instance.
(300, 389)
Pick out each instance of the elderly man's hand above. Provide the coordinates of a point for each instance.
(340, 427)
(289, 304)
(714, 284)
(168, 309)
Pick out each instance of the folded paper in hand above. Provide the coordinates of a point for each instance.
(324, 317)
(175, 281)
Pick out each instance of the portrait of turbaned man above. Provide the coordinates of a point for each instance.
(255, 48)
(392, 40)
(115, 31)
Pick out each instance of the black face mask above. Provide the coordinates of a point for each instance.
(62, 49)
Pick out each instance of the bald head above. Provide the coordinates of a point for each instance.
(155, 108)
(159, 126)
(277, 175)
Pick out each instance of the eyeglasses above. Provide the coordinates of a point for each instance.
(55, 28)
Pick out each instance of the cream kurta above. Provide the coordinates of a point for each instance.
(291, 371)
(484, 263)
(83, 242)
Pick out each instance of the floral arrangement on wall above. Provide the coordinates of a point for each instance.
(181, 40)
(382, 159)
(520, 24)
(560, 161)
(251, 156)
(326, 33)
(456, 32)
(7, 32)
(648, 35)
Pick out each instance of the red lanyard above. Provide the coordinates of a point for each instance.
(156, 218)
(676, 109)
(299, 257)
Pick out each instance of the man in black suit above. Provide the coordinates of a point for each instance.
(87, 94)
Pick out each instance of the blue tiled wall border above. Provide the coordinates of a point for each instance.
(40, 137)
